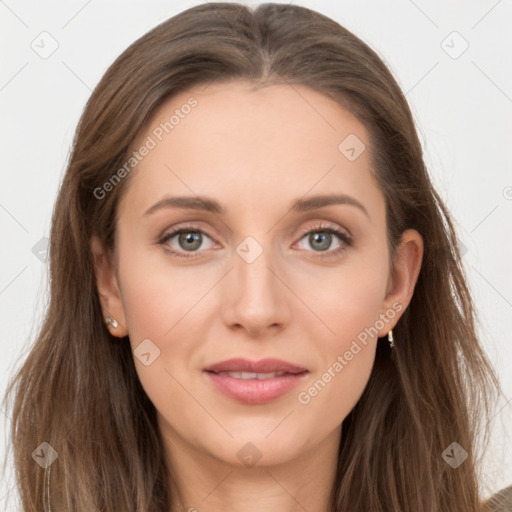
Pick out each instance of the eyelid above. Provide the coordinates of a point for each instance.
(324, 225)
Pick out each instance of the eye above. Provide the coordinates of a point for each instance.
(189, 239)
(320, 240)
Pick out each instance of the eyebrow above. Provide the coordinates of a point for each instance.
(203, 203)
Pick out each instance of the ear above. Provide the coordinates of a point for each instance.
(403, 278)
(108, 288)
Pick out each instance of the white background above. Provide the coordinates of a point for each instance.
(462, 107)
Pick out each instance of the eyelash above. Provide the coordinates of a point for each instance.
(346, 239)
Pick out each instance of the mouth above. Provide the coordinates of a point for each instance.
(255, 382)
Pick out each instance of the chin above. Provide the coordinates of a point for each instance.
(263, 446)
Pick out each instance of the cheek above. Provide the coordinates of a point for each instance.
(346, 299)
(334, 392)
(158, 296)
(345, 352)
(168, 304)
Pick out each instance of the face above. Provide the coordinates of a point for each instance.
(266, 273)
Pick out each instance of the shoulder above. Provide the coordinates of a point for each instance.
(499, 502)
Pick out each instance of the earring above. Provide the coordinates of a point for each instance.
(390, 339)
(111, 322)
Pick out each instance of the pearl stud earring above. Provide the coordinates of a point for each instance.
(111, 322)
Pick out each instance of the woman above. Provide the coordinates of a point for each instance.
(322, 261)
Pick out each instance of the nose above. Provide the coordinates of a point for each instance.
(255, 297)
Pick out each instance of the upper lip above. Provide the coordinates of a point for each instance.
(263, 366)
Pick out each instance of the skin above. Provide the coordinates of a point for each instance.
(255, 152)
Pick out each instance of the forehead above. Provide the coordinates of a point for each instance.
(249, 144)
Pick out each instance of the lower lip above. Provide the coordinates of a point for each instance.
(255, 391)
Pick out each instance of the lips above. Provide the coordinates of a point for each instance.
(254, 382)
(264, 366)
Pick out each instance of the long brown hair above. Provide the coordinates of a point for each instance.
(78, 389)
